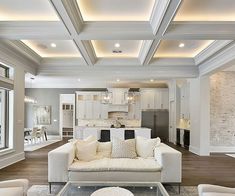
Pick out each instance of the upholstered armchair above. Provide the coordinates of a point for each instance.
(16, 187)
(214, 190)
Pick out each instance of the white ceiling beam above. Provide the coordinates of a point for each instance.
(65, 61)
(201, 31)
(71, 17)
(222, 59)
(139, 72)
(172, 61)
(116, 30)
(118, 62)
(167, 14)
(18, 30)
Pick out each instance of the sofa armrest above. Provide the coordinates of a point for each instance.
(59, 160)
(205, 188)
(24, 183)
(171, 162)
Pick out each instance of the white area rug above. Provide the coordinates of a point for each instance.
(43, 190)
(231, 155)
(36, 146)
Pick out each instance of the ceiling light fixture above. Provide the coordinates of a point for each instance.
(53, 45)
(151, 80)
(79, 80)
(181, 45)
(117, 45)
(118, 80)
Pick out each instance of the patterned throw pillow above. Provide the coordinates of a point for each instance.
(123, 149)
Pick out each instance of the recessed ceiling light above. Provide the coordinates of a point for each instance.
(151, 80)
(181, 45)
(79, 80)
(117, 45)
(53, 45)
(118, 80)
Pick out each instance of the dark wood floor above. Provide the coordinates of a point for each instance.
(216, 169)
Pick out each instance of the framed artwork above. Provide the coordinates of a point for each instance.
(42, 115)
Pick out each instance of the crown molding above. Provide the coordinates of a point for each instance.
(26, 51)
(219, 61)
(19, 30)
(11, 56)
(201, 30)
(210, 50)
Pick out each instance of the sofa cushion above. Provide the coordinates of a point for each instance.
(217, 194)
(86, 150)
(120, 164)
(104, 150)
(145, 147)
(123, 148)
(12, 191)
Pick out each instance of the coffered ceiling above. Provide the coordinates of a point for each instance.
(146, 39)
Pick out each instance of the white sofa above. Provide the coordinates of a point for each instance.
(214, 190)
(16, 187)
(165, 167)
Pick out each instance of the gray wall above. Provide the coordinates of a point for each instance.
(50, 97)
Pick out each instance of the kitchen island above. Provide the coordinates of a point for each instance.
(84, 132)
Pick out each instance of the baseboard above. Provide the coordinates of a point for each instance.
(222, 149)
(11, 159)
(53, 137)
(194, 150)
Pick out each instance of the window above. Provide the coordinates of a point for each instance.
(6, 87)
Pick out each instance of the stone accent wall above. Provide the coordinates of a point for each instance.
(222, 109)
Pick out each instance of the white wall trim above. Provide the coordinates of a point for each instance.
(194, 150)
(222, 149)
(11, 159)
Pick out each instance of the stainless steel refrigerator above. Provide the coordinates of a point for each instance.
(158, 122)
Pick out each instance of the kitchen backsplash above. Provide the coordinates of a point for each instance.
(109, 122)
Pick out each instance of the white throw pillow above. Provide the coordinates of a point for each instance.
(104, 150)
(123, 149)
(145, 147)
(86, 149)
(12, 191)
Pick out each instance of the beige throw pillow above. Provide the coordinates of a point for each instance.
(104, 150)
(123, 149)
(145, 147)
(86, 149)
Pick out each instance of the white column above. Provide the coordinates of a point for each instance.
(200, 115)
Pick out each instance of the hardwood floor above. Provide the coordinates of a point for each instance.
(216, 169)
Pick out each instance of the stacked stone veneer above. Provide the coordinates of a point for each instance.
(222, 109)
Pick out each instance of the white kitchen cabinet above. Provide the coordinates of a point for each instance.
(184, 101)
(84, 109)
(155, 99)
(100, 111)
(81, 109)
(164, 99)
(147, 99)
(134, 112)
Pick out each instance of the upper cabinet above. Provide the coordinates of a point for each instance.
(89, 106)
(134, 111)
(184, 101)
(154, 98)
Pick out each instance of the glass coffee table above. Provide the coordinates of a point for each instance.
(138, 189)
